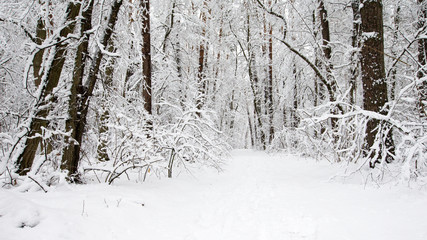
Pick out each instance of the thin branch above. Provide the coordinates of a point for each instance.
(37, 184)
(316, 70)
(27, 33)
(276, 15)
(96, 169)
(405, 50)
(110, 181)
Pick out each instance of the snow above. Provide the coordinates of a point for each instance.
(258, 196)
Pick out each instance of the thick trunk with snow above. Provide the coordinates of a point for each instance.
(374, 78)
(71, 158)
(52, 74)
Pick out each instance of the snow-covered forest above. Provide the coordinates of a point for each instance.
(118, 92)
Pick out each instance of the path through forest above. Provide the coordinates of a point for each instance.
(258, 196)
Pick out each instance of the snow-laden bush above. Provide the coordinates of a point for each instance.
(345, 143)
(138, 145)
(136, 150)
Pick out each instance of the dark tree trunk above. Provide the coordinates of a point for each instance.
(269, 92)
(201, 97)
(326, 36)
(355, 43)
(422, 55)
(53, 73)
(254, 82)
(327, 51)
(374, 78)
(41, 34)
(146, 57)
(317, 88)
(72, 158)
(105, 116)
(295, 118)
(267, 50)
(69, 156)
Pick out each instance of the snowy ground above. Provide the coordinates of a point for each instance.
(256, 197)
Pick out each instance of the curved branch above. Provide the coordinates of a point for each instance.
(406, 50)
(110, 181)
(285, 27)
(317, 71)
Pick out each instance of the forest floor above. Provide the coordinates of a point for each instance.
(257, 196)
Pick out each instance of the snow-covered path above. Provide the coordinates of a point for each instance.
(256, 197)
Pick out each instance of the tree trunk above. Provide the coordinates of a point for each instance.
(295, 118)
(318, 93)
(327, 51)
(373, 77)
(254, 82)
(355, 43)
(395, 41)
(422, 52)
(71, 161)
(52, 74)
(41, 34)
(105, 116)
(201, 97)
(326, 36)
(146, 57)
(269, 86)
(270, 104)
(69, 157)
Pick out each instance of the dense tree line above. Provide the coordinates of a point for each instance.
(99, 89)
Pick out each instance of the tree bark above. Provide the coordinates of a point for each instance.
(374, 78)
(327, 51)
(103, 128)
(355, 43)
(52, 74)
(269, 85)
(326, 36)
(422, 55)
(254, 82)
(393, 71)
(41, 34)
(201, 97)
(72, 158)
(146, 57)
(295, 118)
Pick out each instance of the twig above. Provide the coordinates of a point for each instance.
(96, 169)
(83, 208)
(10, 174)
(112, 178)
(37, 184)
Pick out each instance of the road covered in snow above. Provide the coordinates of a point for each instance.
(258, 197)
